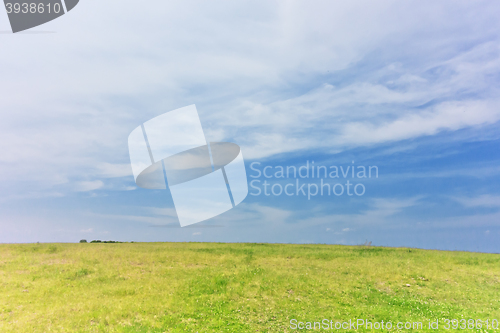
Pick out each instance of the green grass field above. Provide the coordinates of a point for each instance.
(210, 287)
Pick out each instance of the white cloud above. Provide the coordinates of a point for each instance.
(110, 170)
(378, 212)
(129, 188)
(150, 220)
(273, 76)
(486, 200)
(374, 111)
(32, 195)
(446, 116)
(86, 186)
(170, 212)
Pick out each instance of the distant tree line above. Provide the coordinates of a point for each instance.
(99, 241)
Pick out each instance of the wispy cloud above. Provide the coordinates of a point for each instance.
(485, 200)
(378, 213)
(282, 79)
(110, 170)
(86, 186)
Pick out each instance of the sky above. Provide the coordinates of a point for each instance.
(408, 87)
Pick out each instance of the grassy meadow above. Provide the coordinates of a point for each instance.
(212, 287)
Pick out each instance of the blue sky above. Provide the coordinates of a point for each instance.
(409, 87)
